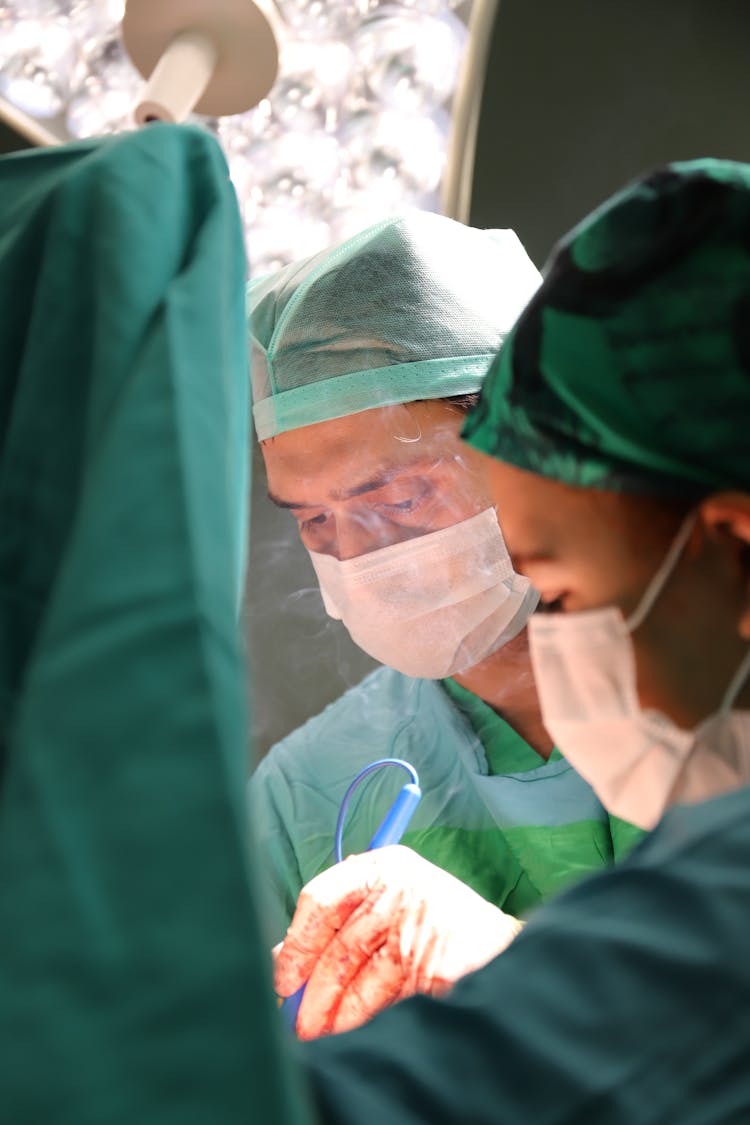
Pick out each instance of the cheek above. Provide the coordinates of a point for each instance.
(684, 653)
(669, 677)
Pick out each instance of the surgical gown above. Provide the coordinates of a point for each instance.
(626, 1001)
(133, 985)
(514, 827)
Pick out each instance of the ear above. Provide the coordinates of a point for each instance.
(729, 513)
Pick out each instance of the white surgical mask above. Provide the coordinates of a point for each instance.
(434, 605)
(637, 761)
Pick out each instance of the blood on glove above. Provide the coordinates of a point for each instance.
(380, 927)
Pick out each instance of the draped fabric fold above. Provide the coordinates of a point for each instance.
(133, 983)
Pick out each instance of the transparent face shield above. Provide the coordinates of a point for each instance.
(432, 606)
(405, 543)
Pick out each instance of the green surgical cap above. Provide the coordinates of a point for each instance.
(630, 368)
(412, 308)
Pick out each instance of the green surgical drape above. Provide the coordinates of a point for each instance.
(133, 985)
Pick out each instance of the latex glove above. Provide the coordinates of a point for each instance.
(377, 928)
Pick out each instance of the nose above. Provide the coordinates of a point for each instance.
(358, 533)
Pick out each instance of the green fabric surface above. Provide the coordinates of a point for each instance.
(626, 1001)
(629, 370)
(549, 858)
(506, 751)
(516, 831)
(134, 985)
(624, 836)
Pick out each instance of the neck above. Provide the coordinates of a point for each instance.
(505, 681)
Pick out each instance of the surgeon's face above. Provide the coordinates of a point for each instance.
(359, 483)
(585, 549)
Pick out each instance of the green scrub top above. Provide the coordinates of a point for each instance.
(494, 813)
(508, 753)
(133, 984)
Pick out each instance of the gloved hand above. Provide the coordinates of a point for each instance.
(377, 928)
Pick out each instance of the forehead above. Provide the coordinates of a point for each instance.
(534, 508)
(389, 437)
(544, 518)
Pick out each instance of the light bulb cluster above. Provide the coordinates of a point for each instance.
(355, 128)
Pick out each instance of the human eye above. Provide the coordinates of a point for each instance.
(401, 505)
(403, 499)
(316, 529)
(309, 522)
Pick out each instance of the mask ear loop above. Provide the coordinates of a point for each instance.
(736, 684)
(660, 579)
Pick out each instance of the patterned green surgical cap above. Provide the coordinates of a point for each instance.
(629, 370)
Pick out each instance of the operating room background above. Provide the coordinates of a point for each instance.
(580, 96)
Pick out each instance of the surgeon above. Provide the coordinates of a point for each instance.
(362, 360)
(618, 413)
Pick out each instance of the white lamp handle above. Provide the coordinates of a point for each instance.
(215, 57)
(179, 80)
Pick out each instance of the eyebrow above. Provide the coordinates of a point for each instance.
(370, 485)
